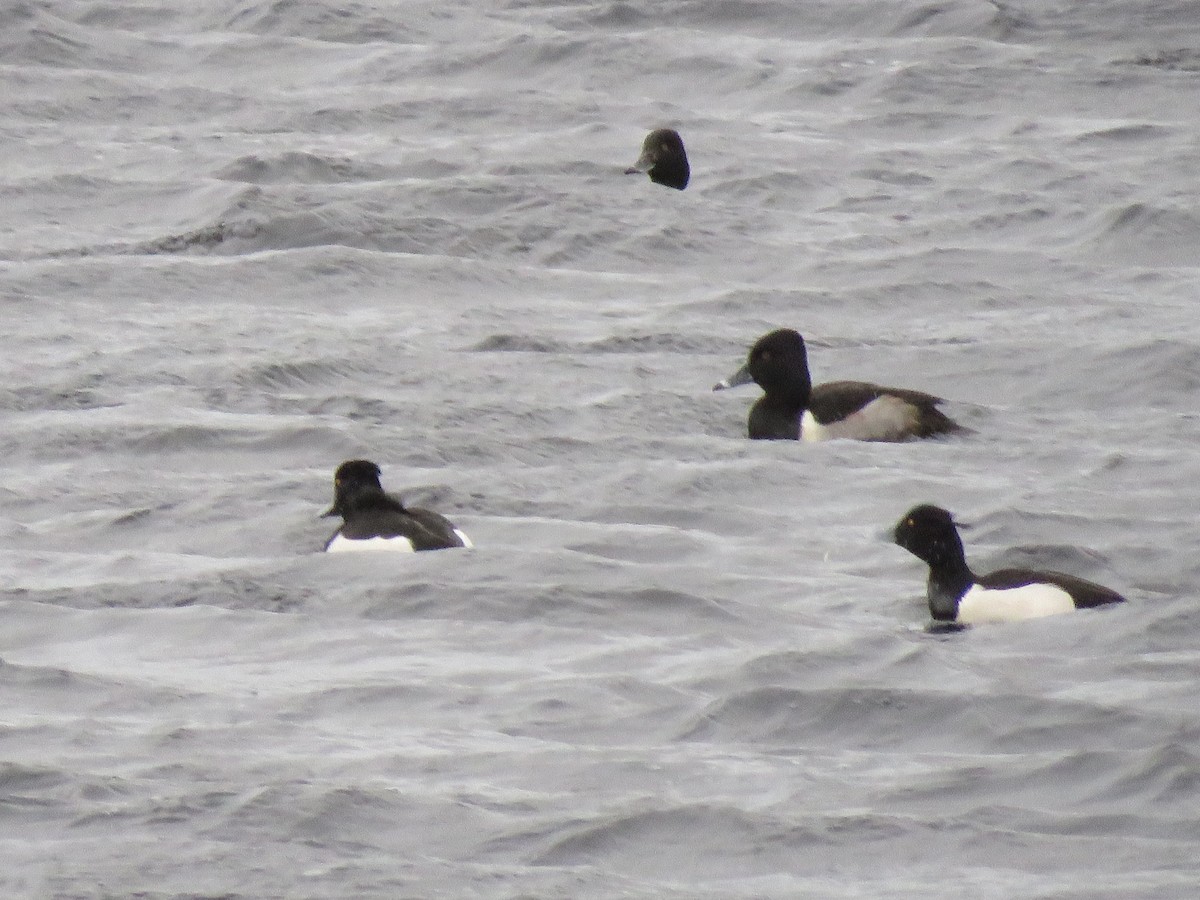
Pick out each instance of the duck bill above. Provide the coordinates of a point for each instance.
(332, 511)
(740, 377)
(644, 164)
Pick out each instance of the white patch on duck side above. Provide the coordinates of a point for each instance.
(393, 545)
(1031, 601)
(885, 418)
(466, 540)
(811, 430)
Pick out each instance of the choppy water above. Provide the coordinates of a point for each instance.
(244, 241)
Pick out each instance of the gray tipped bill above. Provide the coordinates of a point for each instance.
(741, 376)
(644, 163)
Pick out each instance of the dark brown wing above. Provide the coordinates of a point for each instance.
(836, 400)
(1086, 594)
(378, 515)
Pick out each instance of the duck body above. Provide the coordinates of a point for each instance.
(956, 594)
(375, 520)
(791, 408)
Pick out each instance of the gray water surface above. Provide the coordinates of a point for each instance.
(244, 241)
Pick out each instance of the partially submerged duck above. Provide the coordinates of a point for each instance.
(663, 159)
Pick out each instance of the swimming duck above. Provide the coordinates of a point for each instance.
(792, 409)
(663, 159)
(374, 520)
(956, 594)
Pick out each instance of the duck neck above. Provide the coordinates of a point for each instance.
(949, 578)
(783, 401)
(671, 173)
(370, 497)
(776, 417)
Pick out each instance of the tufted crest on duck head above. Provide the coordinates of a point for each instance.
(352, 478)
(778, 361)
(929, 533)
(358, 471)
(663, 159)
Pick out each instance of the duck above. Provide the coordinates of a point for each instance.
(375, 520)
(791, 409)
(663, 159)
(958, 595)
